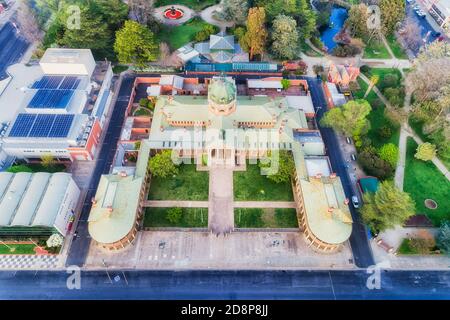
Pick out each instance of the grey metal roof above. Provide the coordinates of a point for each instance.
(221, 42)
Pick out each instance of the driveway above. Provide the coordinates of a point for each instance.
(12, 48)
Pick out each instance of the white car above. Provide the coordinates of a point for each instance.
(355, 202)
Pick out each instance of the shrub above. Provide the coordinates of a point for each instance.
(390, 80)
(346, 50)
(285, 83)
(443, 238)
(174, 215)
(374, 165)
(421, 245)
(204, 34)
(384, 132)
(143, 102)
(389, 153)
(426, 151)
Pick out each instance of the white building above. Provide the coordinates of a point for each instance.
(57, 108)
(36, 203)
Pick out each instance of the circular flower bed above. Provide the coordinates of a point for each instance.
(431, 204)
(173, 13)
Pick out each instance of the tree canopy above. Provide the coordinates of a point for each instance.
(161, 165)
(350, 119)
(443, 238)
(425, 151)
(256, 35)
(285, 37)
(286, 167)
(356, 22)
(136, 44)
(387, 208)
(234, 10)
(392, 13)
(389, 152)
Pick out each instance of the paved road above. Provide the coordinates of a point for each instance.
(12, 48)
(362, 253)
(141, 285)
(80, 244)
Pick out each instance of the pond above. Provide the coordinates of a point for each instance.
(337, 19)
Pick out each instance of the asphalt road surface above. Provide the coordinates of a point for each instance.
(12, 48)
(80, 244)
(362, 253)
(140, 285)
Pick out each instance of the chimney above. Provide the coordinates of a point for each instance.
(319, 176)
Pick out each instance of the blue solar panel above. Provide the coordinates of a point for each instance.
(61, 126)
(70, 83)
(22, 125)
(42, 125)
(51, 99)
(48, 82)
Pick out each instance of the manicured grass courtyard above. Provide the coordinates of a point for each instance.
(178, 36)
(424, 181)
(191, 218)
(193, 4)
(396, 47)
(17, 248)
(36, 167)
(188, 184)
(382, 72)
(265, 218)
(376, 50)
(250, 185)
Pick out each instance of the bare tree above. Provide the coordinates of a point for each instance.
(412, 34)
(27, 23)
(141, 10)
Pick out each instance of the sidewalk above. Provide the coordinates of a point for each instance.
(16, 261)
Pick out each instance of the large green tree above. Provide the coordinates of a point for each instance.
(425, 151)
(285, 37)
(356, 22)
(161, 165)
(284, 168)
(389, 153)
(392, 13)
(350, 119)
(234, 10)
(387, 208)
(443, 238)
(256, 35)
(136, 44)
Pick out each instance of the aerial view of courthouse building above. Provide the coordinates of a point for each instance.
(224, 129)
(55, 108)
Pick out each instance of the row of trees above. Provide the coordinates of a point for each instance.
(278, 24)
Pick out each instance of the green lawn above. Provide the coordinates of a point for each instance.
(376, 50)
(382, 72)
(371, 97)
(193, 4)
(424, 181)
(189, 184)
(192, 218)
(406, 248)
(250, 185)
(377, 120)
(265, 218)
(17, 249)
(306, 49)
(396, 47)
(178, 36)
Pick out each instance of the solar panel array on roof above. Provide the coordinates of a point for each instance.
(42, 125)
(51, 99)
(48, 82)
(249, 66)
(57, 82)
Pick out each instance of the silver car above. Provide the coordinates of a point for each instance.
(355, 202)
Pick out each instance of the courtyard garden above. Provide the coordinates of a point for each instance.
(19, 248)
(176, 217)
(250, 185)
(376, 50)
(178, 36)
(265, 218)
(188, 184)
(424, 181)
(37, 167)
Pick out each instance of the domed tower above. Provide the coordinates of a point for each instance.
(222, 96)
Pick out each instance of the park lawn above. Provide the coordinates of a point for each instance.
(188, 184)
(265, 218)
(376, 50)
(371, 97)
(178, 36)
(382, 72)
(191, 218)
(424, 181)
(417, 126)
(250, 185)
(378, 119)
(396, 47)
(17, 249)
(192, 4)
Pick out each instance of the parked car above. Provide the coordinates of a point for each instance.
(355, 202)
(421, 14)
(353, 157)
(349, 140)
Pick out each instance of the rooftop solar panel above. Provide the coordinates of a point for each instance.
(70, 83)
(48, 82)
(51, 99)
(22, 125)
(42, 125)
